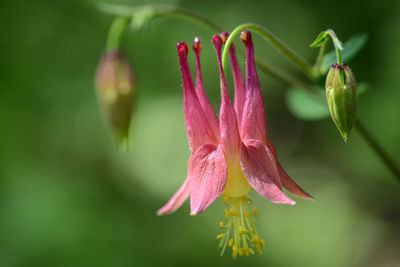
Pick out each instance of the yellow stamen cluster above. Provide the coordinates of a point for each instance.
(240, 221)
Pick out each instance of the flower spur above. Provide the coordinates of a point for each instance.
(233, 156)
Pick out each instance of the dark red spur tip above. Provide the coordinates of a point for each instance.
(217, 41)
(224, 36)
(183, 48)
(197, 45)
(246, 37)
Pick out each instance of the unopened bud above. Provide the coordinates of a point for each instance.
(341, 97)
(116, 93)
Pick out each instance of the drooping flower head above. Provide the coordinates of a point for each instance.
(116, 93)
(232, 156)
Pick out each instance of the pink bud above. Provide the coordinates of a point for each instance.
(116, 93)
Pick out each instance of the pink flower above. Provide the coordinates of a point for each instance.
(233, 156)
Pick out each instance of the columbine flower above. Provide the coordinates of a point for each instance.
(230, 158)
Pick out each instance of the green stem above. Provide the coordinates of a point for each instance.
(189, 16)
(162, 10)
(273, 40)
(378, 149)
(281, 75)
(319, 61)
(338, 47)
(115, 32)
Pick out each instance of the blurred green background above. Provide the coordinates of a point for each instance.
(67, 198)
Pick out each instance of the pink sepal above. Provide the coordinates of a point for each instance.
(253, 119)
(208, 170)
(259, 168)
(198, 128)
(177, 199)
(286, 181)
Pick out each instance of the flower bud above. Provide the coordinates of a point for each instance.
(116, 93)
(341, 97)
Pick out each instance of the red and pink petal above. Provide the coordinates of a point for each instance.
(197, 125)
(230, 138)
(178, 198)
(237, 80)
(253, 119)
(286, 181)
(205, 104)
(259, 168)
(208, 170)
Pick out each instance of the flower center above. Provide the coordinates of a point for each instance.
(236, 184)
(240, 221)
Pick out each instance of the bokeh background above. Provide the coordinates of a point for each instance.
(68, 198)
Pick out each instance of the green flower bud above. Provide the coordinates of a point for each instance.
(341, 97)
(116, 93)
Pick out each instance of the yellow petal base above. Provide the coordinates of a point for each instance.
(236, 185)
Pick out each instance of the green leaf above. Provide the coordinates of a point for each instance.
(320, 40)
(306, 106)
(350, 49)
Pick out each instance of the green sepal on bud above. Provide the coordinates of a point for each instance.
(342, 98)
(116, 93)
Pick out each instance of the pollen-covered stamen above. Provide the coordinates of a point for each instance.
(244, 238)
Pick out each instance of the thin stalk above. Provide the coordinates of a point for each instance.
(319, 61)
(115, 32)
(189, 16)
(378, 149)
(338, 47)
(281, 75)
(274, 41)
(162, 10)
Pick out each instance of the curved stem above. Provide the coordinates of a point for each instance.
(162, 10)
(338, 47)
(337, 44)
(188, 15)
(378, 149)
(281, 75)
(318, 62)
(115, 32)
(273, 40)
